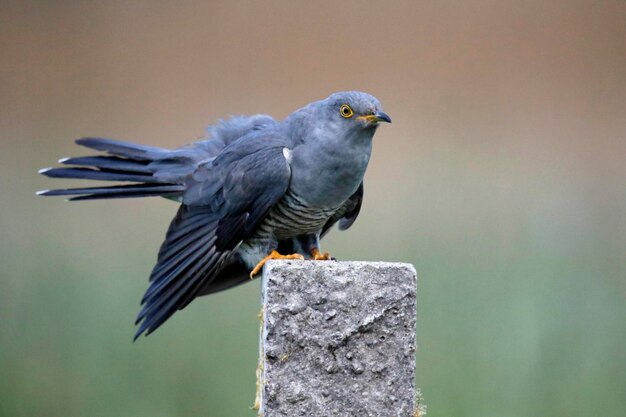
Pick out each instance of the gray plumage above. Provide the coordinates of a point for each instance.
(253, 186)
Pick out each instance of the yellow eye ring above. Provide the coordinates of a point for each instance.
(345, 111)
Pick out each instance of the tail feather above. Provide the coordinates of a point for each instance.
(125, 149)
(108, 162)
(117, 191)
(126, 162)
(95, 174)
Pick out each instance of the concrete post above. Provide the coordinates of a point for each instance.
(338, 339)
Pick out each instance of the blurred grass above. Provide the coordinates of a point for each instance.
(501, 179)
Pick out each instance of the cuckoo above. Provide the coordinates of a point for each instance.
(255, 189)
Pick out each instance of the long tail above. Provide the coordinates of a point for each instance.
(126, 162)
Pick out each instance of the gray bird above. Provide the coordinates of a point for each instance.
(255, 190)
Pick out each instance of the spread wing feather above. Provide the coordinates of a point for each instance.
(225, 200)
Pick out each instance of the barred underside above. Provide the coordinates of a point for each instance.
(291, 217)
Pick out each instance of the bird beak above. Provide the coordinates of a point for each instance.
(380, 116)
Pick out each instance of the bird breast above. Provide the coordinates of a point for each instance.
(326, 176)
(292, 216)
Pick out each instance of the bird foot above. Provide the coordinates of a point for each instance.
(319, 256)
(273, 255)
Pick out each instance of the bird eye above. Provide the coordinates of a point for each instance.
(345, 111)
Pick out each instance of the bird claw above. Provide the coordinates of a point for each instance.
(273, 255)
(319, 256)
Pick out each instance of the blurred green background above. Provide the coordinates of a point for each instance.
(502, 179)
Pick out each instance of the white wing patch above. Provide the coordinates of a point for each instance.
(287, 154)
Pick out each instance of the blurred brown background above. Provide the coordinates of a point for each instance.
(502, 179)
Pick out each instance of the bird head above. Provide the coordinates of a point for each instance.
(355, 110)
(342, 118)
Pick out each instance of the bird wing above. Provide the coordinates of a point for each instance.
(177, 163)
(347, 213)
(225, 200)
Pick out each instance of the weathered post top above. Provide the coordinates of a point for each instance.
(338, 339)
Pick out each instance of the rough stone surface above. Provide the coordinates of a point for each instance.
(338, 339)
